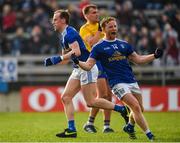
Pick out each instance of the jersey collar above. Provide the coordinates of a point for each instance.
(64, 31)
(110, 40)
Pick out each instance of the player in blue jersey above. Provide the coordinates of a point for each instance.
(91, 33)
(114, 55)
(71, 42)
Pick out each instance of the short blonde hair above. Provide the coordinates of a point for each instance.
(106, 20)
(86, 9)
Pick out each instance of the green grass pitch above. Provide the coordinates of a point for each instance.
(42, 127)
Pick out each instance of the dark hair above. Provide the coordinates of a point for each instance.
(106, 20)
(63, 14)
(87, 7)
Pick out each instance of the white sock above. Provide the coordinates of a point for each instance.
(131, 124)
(90, 123)
(147, 131)
(106, 126)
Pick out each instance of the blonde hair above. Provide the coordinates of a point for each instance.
(86, 9)
(106, 20)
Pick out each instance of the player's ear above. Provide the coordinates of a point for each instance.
(86, 17)
(63, 20)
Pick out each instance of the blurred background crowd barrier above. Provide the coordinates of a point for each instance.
(27, 37)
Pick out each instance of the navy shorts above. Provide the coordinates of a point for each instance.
(101, 72)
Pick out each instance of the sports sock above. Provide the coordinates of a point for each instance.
(91, 120)
(147, 131)
(130, 127)
(71, 125)
(118, 108)
(149, 134)
(106, 124)
(132, 124)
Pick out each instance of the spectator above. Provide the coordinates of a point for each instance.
(171, 36)
(133, 35)
(124, 13)
(36, 41)
(18, 42)
(8, 19)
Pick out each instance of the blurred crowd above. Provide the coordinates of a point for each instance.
(147, 24)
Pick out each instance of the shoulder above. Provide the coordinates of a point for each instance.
(99, 43)
(71, 32)
(84, 27)
(122, 41)
(71, 29)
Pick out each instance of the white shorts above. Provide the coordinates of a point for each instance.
(122, 89)
(85, 77)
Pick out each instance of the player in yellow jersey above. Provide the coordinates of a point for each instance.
(91, 33)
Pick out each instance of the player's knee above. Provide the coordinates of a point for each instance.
(105, 95)
(142, 108)
(136, 107)
(90, 103)
(65, 98)
(109, 97)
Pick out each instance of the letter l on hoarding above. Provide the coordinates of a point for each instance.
(146, 93)
(173, 99)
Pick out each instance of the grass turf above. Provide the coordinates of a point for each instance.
(42, 127)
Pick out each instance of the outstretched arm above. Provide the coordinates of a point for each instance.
(144, 59)
(141, 59)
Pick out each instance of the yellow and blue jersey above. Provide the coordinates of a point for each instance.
(88, 30)
(113, 57)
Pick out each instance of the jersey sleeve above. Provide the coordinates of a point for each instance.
(94, 53)
(71, 37)
(129, 50)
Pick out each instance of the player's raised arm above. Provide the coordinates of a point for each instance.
(144, 59)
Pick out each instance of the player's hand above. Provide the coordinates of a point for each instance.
(75, 59)
(158, 53)
(99, 27)
(52, 60)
